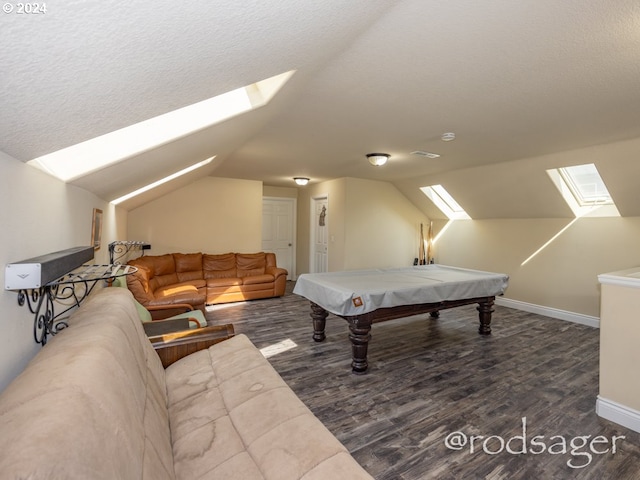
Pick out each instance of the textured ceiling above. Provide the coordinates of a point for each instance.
(513, 79)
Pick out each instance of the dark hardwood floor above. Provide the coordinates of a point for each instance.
(428, 379)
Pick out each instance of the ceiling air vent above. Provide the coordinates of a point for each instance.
(425, 154)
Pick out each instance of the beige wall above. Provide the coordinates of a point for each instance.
(381, 226)
(283, 192)
(371, 224)
(40, 215)
(619, 352)
(211, 215)
(521, 210)
(564, 274)
(335, 191)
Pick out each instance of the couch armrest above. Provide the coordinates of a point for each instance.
(160, 312)
(276, 271)
(171, 347)
(163, 327)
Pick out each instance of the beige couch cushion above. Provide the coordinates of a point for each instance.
(233, 417)
(91, 404)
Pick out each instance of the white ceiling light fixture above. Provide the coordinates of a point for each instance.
(448, 137)
(302, 181)
(378, 159)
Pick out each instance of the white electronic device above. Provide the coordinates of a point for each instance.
(38, 271)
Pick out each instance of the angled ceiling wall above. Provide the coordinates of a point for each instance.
(522, 188)
(514, 80)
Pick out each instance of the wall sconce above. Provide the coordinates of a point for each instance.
(302, 181)
(378, 159)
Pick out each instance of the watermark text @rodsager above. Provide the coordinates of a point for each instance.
(580, 449)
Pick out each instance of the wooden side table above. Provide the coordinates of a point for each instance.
(171, 347)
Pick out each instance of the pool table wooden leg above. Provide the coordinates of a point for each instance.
(360, 327)
(319, 316)
(485, 309)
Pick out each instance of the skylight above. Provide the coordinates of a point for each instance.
(157, 183)
(78, 160)
(445, 202)
(586, 185)
(584, 190)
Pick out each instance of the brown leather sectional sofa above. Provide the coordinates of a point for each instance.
(197, 279)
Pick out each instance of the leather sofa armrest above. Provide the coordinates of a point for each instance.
(171, 347)
(276, 271)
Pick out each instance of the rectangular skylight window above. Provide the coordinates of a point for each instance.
(445, 202)
(586, 185)
(584, 191)
(92, 155)
(157, 183)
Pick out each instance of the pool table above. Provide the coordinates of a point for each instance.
(365, 297)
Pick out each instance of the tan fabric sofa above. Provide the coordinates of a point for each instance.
(95, 403)
(196, 279)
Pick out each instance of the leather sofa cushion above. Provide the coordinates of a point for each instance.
(148, 263)
(188, 266)
(164, 265)
(160, 281)
(254, 279)
(223, 282)
(270, 259)
(250, 264)
(163, 271)
(257, 287)
(171, 290)
(199, 283)
(190, 296)
(219, 266)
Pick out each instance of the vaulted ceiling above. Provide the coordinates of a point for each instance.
(513, 79)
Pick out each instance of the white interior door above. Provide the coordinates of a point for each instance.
(319, 261)
(278, 231)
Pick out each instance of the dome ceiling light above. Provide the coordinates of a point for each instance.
(448, 137)
(378, 159)
(302, 181)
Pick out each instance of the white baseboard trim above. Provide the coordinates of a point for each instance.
(550, 312)
(620, 414)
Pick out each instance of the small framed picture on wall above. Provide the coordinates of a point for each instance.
(96, 228)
